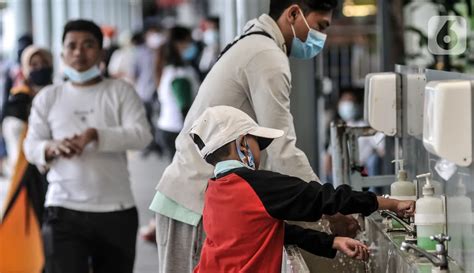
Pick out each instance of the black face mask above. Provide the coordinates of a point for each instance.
(41, 77)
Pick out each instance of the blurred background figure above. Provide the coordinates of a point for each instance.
(13, 70)
(24, 208)
(178, 86)
(371, 149)
(37, 72)
(110, 46)
(122, 60)
(11, 76)
(211, 40)
(147, 74)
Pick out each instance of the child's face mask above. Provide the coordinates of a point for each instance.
(250, 162)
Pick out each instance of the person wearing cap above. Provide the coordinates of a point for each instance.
(245, 208)
(252, 74)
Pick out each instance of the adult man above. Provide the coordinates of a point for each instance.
(254, 71)
(81, 129)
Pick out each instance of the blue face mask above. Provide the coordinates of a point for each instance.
(190, 53)
(313, 46)
(82, 77)
(347, 110)
(250, 159)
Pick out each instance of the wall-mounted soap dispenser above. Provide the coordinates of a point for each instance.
(430, 218)
(447, 125)
(381, 107)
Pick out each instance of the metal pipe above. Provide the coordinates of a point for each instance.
(336, 148)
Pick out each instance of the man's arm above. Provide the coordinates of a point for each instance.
(133, 133)
(39, 137)
(269, 79)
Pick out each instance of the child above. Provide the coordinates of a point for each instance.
(245, 208)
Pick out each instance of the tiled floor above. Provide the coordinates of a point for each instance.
(144, 176)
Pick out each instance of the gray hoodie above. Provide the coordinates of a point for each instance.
(253, 76)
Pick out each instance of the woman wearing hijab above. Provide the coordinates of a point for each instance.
(20, 229)
(36, 67)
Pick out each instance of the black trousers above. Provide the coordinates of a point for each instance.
(76, 241)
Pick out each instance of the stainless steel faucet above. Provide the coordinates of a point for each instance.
(411, 229)
(439, 258)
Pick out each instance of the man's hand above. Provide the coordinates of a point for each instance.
(60, 149)
(352, 248)
(401, 208)
(81, 141)
(405, 208)
(70, 147)
(342, 225)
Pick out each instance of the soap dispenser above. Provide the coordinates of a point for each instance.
(402, 189)
(430, 218)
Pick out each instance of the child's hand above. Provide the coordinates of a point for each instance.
(352, 248)
(405, 208)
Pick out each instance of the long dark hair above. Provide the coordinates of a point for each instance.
(171, 52)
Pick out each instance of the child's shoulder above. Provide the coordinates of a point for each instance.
(247, 174)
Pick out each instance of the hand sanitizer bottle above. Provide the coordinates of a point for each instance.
(430, 218)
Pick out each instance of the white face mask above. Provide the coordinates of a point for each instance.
(155, 40)
(211, 37)
(347, 110)
(81, 77)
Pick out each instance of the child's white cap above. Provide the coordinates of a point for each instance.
(220, 125)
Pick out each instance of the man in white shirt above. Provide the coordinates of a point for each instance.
(253, 75)
(81, 130)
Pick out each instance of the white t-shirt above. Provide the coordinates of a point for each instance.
(171, 118)
(98, 179)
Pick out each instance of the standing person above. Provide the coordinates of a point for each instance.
(81, 129)
(146, 66)
(12, 76)
(178, 86)
(211, 49)
(245, 207)
(13, 71)
(122, 60)
(37, 70)
(371, 148)
(20, 225)
(254, 76)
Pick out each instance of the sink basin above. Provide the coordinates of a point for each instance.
(386, 254)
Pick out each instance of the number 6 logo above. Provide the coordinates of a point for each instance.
(447, 35)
